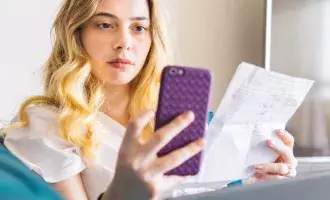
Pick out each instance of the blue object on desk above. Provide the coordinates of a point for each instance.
(235, 183)
(210, 117)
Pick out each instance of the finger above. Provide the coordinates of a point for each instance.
(137, 124)
(165, 134)
(275, 168)
(286, 137)
(284, 151)
(176, 158)
(267, 177)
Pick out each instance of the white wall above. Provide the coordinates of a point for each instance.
(24, 46)
(300, 47)
(300, 38)
(216, 34)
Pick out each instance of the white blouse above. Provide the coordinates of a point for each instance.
(43, 151)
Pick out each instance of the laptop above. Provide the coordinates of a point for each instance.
(313, 187)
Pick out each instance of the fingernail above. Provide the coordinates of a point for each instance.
(190, 115)
(257, 176)
(280, 133)
(201, 143)
(271, 143)
(258, 167)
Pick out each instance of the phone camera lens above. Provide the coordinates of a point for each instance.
(173, 71)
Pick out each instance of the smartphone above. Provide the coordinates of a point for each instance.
(184, 89)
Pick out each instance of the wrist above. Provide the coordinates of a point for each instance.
(128, 189)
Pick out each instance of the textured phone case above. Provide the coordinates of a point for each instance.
(180, 93)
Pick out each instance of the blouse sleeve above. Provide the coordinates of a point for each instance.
(40, 148)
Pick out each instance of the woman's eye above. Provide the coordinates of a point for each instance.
(105, 26)
(140, 28)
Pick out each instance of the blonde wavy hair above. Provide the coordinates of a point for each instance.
(75, 93)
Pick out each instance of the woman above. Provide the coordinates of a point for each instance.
(103, 71)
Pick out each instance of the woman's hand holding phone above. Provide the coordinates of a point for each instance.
(140, 173)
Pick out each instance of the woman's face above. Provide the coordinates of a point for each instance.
(118, 39)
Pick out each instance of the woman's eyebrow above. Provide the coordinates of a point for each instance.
(109, 15)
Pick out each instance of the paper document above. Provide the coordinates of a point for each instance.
(256, 103)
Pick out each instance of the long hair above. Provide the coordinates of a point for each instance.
(71, 88)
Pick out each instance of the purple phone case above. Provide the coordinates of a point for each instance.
(180, 93)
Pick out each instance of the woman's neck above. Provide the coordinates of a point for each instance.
(116, 100)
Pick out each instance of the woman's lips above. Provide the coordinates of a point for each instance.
(120, 63)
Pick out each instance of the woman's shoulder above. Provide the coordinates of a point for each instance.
(39, 113)
(40, 119)
(40, 147)
(46, 112)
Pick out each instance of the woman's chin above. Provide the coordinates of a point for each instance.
(118, 80)
(116, 77)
